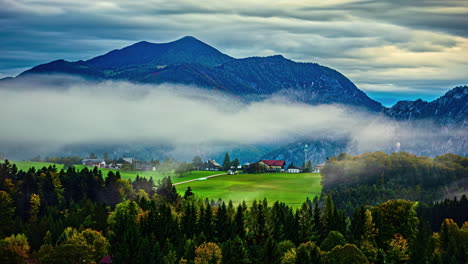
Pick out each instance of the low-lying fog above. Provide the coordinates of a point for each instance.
(48, 116)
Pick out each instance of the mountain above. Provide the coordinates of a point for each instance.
(447, 115)
(450, 109)
(192, 62)
(185, 50)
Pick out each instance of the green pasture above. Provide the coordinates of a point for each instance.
(130, 175)
(290, 188)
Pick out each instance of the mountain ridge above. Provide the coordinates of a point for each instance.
(190, 61)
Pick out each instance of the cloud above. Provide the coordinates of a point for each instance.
(44, 114)
(385, 42)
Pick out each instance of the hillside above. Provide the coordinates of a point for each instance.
(449, 109)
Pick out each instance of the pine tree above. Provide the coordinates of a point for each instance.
(227, 162)
(239, 228)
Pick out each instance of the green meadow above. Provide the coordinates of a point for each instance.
(129, 175)
(290, 188)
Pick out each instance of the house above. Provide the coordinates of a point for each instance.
(319, 167)
(294, 169)
(272, 165)
(94, 162)
(212, 165)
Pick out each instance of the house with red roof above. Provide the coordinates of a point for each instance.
(273, 165)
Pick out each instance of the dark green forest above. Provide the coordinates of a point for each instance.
(374, 208)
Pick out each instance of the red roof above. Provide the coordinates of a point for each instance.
(274, 162)
(106, 259)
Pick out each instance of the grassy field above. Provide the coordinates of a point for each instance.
(25, 165)
(291, 189)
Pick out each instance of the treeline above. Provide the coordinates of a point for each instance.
(372, 178)
(50, 216)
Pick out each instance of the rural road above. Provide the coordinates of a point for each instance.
(216, 175)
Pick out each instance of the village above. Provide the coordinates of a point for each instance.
(262, 166)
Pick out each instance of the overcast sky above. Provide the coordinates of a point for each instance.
(392, 49)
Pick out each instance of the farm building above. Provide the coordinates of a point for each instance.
(212, 165)
(319, 167)
(273, 165)
(94, 162)
(295, 170)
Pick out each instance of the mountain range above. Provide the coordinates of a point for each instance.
(190, 61)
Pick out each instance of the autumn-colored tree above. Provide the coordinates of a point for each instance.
(395, 216)
(14, 249)
(347, 254)
(398, 250)
(35, 202)
(88, 246)
(208, 253)
(289, 257)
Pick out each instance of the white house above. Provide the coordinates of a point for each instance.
(294, 170)
(94, 162)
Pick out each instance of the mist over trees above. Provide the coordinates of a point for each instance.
(372, 178)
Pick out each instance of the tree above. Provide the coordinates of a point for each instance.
(35, 202)
(7, 211)
(188, 193)
(289, 257)
(303, 255)
(92, 156)
(235, 251)
(347, 254)
(197, 162)
(308, 166)
(183, 167)
(227, 162)
(221, 223)
(239, 226)
(395, 216)
(14, 249)
(333, 239)
(88, 246)
(308, 252)
(235, 163)
(208, 253)
(452, 242)
(167, 191)
(423, 246)
(124, 232)
(398, 250)
(271, 253)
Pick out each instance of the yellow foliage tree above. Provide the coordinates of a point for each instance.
(208, 253)
(35, 202)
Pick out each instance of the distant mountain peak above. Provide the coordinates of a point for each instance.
(185, 50)
(449, 109)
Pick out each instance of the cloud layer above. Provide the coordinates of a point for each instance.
(46, 118)
(391, 49)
